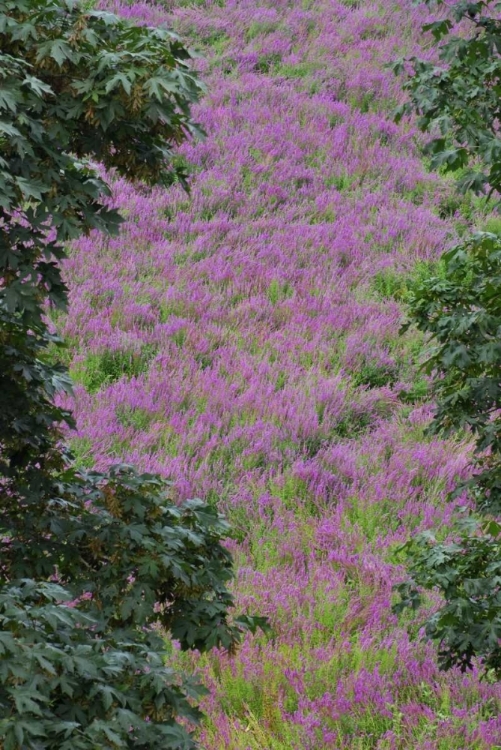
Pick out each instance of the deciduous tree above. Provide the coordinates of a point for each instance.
(95, 569)
(457, 100)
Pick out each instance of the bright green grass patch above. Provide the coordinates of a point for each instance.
(281, 380)
(373, 519)
(128, 416)
(330, 617)
(119, 447)
(81, 448)
(493, 225)
(179, 337)
(393, 284)
(343, 181)
(257, 737)
(195, 3)
(291, 491)
(242, 695)
(362, 101)
(301, 70)
(251, 702)
(299, 497)
(268, 62)
(102, 368)
(263, 542)
(166, 443)
(218, 42)
(416, 194)
(278, 291)
(264, 547)
(260, 27)
(214, 41)
(377, 519)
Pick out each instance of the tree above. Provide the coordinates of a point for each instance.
(461, 311)
(94, 568)
(458, 102)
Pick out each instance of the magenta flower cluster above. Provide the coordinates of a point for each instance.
(244, 343)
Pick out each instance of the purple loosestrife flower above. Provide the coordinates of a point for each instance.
(243, 342)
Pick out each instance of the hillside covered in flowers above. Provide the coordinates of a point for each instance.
(244, 342)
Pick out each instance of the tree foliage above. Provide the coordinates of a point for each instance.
(458, 98)
(94, 568)
(461, 311)
(458, 102)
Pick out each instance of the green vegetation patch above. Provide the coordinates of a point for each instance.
(102, 368)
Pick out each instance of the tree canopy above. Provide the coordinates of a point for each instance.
(457, 97)
(460, 309)
(95, 568)
(457, 101)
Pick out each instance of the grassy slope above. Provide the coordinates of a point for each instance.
(244, 342)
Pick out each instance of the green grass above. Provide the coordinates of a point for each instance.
(341, 182)
(391, 283)
(128, 416)
(260, 27)
(362, 101)
(493, 225)
(81, 449)
(290, 490)
(301, 70)
(278, 291)
(257, 737)
(102, 368)
(166, 442)
(195, 3)
(217, 42)
(268, 62)
(373, 375)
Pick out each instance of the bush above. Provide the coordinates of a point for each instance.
(95, 569)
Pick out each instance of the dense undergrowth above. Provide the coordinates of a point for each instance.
(244, 343)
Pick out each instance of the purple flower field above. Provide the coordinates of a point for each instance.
(243, 342)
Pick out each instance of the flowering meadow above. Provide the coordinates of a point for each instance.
(244, 343)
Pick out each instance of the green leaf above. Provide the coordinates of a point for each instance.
(119, 78)
(81, 88)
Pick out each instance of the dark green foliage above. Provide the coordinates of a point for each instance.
(95, 674)
(460, 310)
(372, 375)
(395, 284)
(467, 572)
(459, 100)
(95, 569)
(266, 62)
(75, 86)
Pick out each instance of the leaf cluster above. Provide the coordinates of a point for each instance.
(77, 87)
(97, 570)
(100, 570)
(458, 99)
(461, 312)
(458, 103)
(468, 574)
